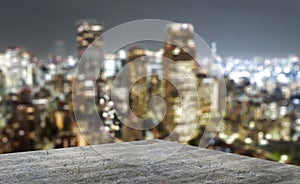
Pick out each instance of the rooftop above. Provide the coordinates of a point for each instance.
(120, 164)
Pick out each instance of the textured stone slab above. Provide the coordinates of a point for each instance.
(185, 165)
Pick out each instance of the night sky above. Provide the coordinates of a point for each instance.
(242, 28)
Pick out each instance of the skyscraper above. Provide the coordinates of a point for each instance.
(138, 98)
(180, 77)
(23, 122)
(87, 32)
(60, 49)
(19, 68)
(91, 84)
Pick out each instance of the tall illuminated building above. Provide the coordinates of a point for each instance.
(18, 67)
(138, 95)
(87, 32)
(91, 84)
(24, 122)
(204, 97)
(60, 48)
(180, 48)
(63, 121)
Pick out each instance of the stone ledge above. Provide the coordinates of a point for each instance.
(186, 165)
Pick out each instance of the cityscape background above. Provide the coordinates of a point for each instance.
(255, 43)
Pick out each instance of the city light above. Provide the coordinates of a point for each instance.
(262, 102)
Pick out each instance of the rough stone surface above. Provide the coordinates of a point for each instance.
(186, 165)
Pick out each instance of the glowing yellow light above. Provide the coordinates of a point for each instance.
(252, 124)
(268, 136)
(248, 140)
(283, 158)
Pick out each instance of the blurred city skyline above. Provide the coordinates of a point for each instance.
(241, 28)
(51, 102)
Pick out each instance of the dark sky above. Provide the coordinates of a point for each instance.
(242, 28)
